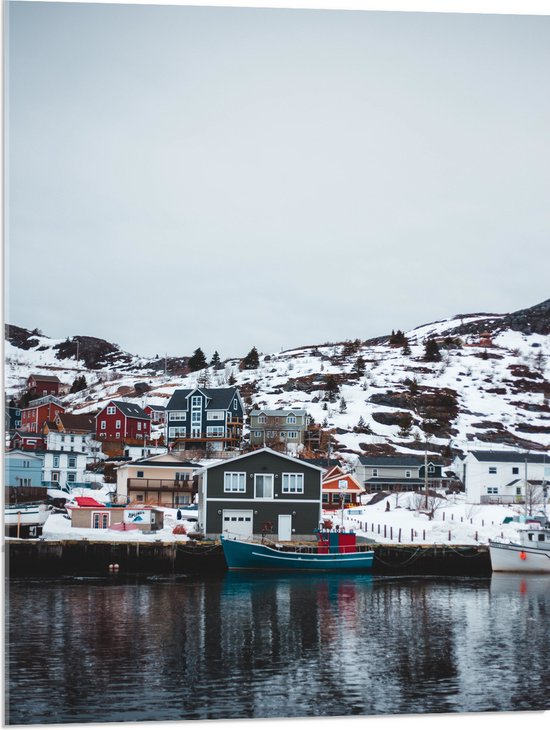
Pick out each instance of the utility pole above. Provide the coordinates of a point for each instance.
(426, 467)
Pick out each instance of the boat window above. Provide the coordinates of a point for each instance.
(541, 538)
(530, 536)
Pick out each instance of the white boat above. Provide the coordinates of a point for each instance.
(531, 554)
(26, 514)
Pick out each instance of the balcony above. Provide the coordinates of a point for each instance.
(180, 485)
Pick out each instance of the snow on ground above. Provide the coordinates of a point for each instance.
(456, 522)
(58, 527)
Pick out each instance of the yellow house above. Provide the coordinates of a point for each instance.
(164, 480)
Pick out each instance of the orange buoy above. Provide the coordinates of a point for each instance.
(523, 555)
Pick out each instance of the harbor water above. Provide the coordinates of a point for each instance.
(244, 646)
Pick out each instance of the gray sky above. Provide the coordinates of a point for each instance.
(181, 177)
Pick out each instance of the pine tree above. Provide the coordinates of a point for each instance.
(251, 361)
(343, 405)
(406, 347)
(216, 362)
(79, 383)
(197, 361)
(331, 388)
(431, 351)
(359, 366)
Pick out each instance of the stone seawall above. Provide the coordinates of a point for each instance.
(88, 557)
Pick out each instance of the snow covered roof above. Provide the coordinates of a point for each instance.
(45, 378)
(279, 412)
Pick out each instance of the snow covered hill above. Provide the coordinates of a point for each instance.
(490, 385)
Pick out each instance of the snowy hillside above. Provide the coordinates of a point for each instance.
(382, 397)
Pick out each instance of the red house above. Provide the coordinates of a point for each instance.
(157, 413)
(43, 385)
(38, 411)
(340, 489)
(119, 421)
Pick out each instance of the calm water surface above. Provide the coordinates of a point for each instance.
(295, 646)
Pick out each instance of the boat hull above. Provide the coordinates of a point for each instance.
(240, 555)
(513, 558)
(26, 515)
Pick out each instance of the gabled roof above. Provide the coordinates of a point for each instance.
(405, 460)
(26, 454)
(332, 483)
(45, 378)
(130, 410)
(218, 398)
(302, 462)
(515, 457)
(280, 412)
(155, 407)
(77, 421)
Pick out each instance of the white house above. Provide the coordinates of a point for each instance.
(64, 469)
(500, 476)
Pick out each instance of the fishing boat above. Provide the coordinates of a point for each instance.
(26, 514)
(334, 551)
(530, 554)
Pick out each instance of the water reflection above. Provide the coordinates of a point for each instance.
(243, 646)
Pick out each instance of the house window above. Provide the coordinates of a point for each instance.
(518, 491)
(292, 434)
(216, 416)
(63, 438)
(72, 439)
(492, 470)
(26, 465)
(375, 472)
(182, 476)
(111, 410)
(139, 473)
(72, 462)
(56, 461)
(175, 432)
(214, 430)
(235, 404)
(263, 486)
(492, 490)
(117, 435)
(257, 434)
(196, 401)
(71, 477)
(103, 424)
(515, 470)
(291, 419)
(234, 481)
(431, 469)
(293, 483)
(408, 474)
(195, 417)
(55, 476)
(325, 497)
(262, 419)
(177, 416)
(117, 424)
(100, 520)
(139, 425)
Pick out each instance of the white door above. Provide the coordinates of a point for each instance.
(237, 523)
(284, 532)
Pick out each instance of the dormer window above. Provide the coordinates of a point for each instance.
(262, 419)
(111, 410)
(196, 401)
(291, 419)
(431, 469)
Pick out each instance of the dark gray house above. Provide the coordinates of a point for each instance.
(261, 492)
(397, 473)
(204, 419)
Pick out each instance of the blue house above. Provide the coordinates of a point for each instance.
(206, 419)
(23, 468)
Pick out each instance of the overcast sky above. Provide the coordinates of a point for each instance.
(181, 177)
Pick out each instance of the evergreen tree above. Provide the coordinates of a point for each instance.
(197, 361)
(359, 366)
(431, 351)
(406, 347)
(79, 383)
(251, 361)
(232, 379)
(331, 388)
(216, 362)
(343, 405)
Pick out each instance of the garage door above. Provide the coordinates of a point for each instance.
(237, 523)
